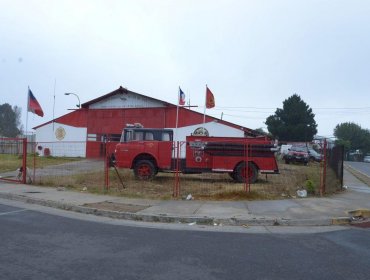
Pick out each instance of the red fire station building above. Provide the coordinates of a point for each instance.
(82, 132)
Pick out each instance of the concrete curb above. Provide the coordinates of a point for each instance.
(213, 221)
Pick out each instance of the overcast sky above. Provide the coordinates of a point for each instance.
(252, 54)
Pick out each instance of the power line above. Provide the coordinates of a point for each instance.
(274, 108)
(316, 111)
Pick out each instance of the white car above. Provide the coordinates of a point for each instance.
(367, 159)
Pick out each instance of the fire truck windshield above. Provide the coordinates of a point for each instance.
(137, 134)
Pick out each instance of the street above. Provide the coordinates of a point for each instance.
(363, 167)
(36, 244)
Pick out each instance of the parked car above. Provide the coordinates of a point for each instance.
(297, 154)
(366, 158)
(314, 156)
(284, 149)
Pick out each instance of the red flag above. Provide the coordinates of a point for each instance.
(210, 99)
(33, 105)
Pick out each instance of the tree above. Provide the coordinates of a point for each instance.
(295, 122)
(260, 131)
(10, 124)
(354, 135)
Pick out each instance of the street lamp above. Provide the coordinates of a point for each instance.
(79, 103)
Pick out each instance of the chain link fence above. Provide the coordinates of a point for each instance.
(12, 159)
(64, 165)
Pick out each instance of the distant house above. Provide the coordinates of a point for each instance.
(83, 131)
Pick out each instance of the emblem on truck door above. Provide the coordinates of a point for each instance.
(198, 155)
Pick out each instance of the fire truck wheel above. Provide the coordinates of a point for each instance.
(144, 170)
(232, 175)
(240, 173)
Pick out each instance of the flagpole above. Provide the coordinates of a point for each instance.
(205, 106)
(176, 145)
(55, 82)
(188, 92)
(204, 112)
(177, 116)
(28, 102)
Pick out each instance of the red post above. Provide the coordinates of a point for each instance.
(106, 166)
(24, 163)
(247, 183)
(176, 191)
(34, 165)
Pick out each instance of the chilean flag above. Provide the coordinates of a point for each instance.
(181, 97)
(33, 105)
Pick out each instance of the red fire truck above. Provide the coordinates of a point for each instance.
(148, 151)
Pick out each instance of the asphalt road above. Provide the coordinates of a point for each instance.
(36, 244)
(363, 167)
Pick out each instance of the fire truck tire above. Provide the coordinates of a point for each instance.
(240, 171)
(144, 170)
(232, 175)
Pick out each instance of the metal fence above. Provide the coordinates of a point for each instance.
(56, 164)
(332, 171)
(324, 174)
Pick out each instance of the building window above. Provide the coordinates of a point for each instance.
(91, 137)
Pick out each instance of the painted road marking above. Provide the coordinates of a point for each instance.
(11, 212)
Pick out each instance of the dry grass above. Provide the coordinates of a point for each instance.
(201, 186)
(92, 180)
(9, 162)
(12, 162)
(42, 161)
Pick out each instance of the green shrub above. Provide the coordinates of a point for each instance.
(310, 186)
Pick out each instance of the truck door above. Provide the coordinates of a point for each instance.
(164, 150)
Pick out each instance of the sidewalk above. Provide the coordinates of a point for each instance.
(295, 212)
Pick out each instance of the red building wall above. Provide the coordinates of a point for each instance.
(107, 124)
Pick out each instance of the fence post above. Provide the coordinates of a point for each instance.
(34, 162)
(342, 167)
(176, 191)
(24, 163)
(247, 183)
(106, 165)
(324, 162)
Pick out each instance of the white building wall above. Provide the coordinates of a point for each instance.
(214, 129)
(61, 140)
(128, 100)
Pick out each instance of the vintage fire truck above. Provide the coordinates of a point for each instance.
(148, 151)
